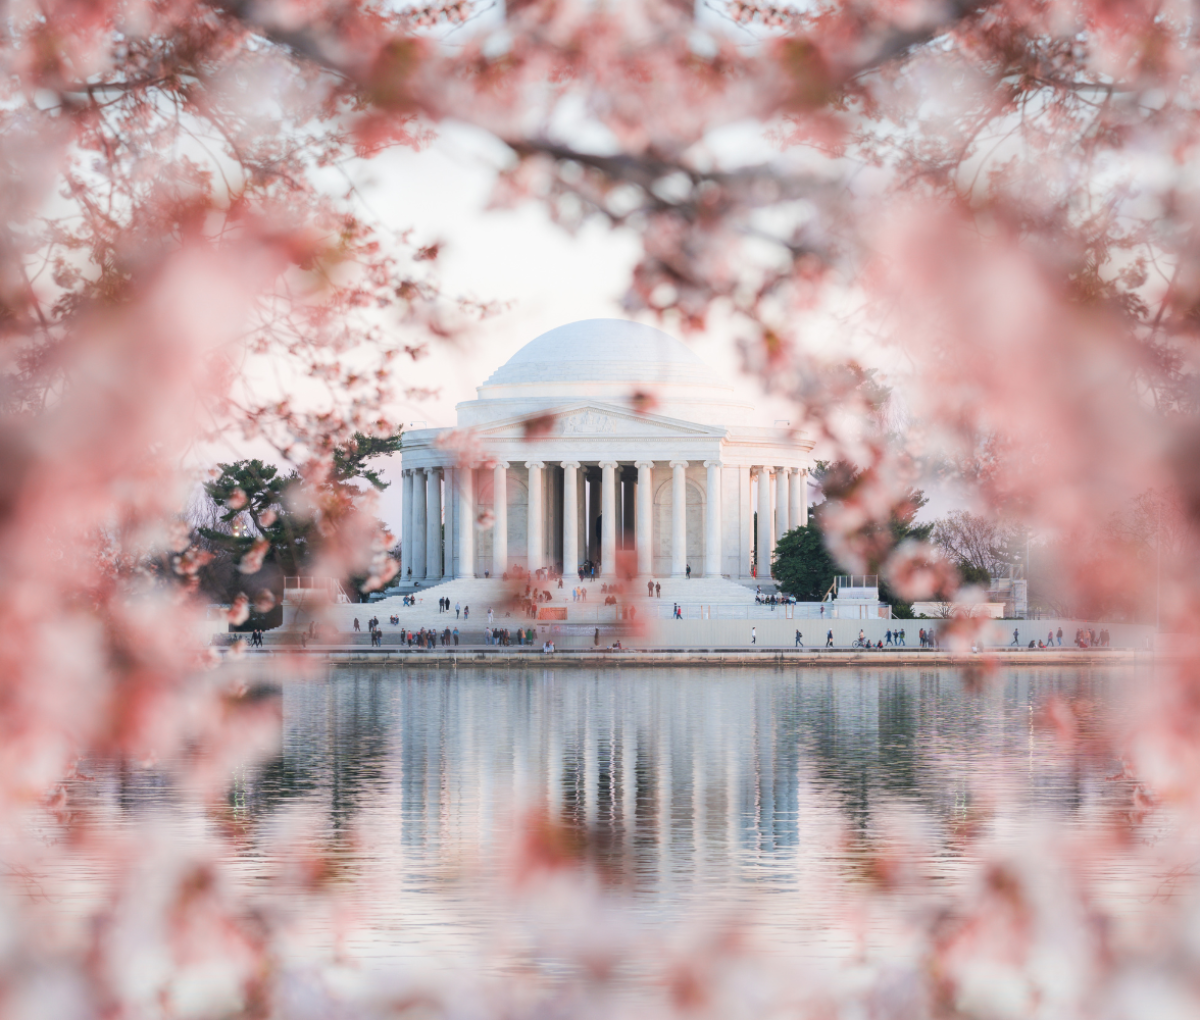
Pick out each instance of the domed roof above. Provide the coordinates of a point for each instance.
(610, 361)
(603, 350)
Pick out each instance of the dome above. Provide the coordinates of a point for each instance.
(612, 361)
(602, 350)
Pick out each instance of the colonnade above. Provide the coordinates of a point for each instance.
(422, 545)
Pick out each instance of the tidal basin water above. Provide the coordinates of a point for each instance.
(695, 793)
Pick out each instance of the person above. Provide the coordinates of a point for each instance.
(861, 637)
(455, 637)
(456, 609)
(596, 638)
(657, 590)
(491, 616)
(754, 635)
(466, 613)
(1060, 637)
(888, 635)
(650, 589)
(688, 572)
(829, 640)
(900, 641)
(822, 610)
(357, 628)
(1016, 637)
(799, 639)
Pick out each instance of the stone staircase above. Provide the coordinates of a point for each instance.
(716, 597)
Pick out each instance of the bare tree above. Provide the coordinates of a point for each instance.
(971, 540)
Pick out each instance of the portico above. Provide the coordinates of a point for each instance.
(555, 465)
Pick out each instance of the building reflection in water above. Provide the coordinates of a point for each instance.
(678, 776)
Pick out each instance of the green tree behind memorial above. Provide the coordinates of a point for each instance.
(804, 565)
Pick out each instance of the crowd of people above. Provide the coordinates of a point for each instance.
(521, 637)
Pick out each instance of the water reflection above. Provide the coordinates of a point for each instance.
(679, 772)
(696, 788)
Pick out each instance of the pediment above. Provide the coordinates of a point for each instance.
(594, 420)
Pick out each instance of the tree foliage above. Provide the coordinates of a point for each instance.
(802, 565)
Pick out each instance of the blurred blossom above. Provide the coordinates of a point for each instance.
(239, 612)
(252, 562)
(919, 571)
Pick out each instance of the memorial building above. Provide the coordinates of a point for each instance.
(606, 441)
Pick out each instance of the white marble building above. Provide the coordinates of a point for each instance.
(605, 440)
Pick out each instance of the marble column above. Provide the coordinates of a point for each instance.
(449, 530)
(608, 524)
(800, 498)
(533, 517)
(764, 524)
(418, 538)
(627, 513)
(782, 477)
(645, 516)
(433, 524)
(408, 526)
(581, 525)
(679, 518)
(712, 537)
(570, 517)
(500, 516)
(466, 522)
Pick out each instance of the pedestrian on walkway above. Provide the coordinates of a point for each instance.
(1016, 637)
(596, 638)
(888, 635)
(456, 605)
(649, 589)
(657, 590)
(357, 628)
(689, 571)
(799, 639)
(754, 635)
(829, 640)
(1060, 637)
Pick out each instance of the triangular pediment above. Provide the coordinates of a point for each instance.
(594, 420)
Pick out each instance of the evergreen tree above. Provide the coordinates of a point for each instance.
(802, 565)
(350, 461)
(254, 490)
